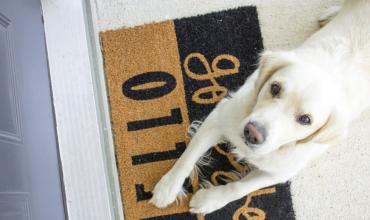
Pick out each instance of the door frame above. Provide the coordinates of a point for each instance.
(88, 165)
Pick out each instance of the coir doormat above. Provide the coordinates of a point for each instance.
(163, 76)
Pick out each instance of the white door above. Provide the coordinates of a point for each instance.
(30, 183)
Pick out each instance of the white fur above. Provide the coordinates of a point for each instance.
(328, 77)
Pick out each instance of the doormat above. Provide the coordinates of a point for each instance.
(163, 76)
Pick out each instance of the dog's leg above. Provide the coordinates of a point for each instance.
(170, 186)
(211, 199)
(328, 15)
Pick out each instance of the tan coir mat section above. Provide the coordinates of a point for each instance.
(160, 78)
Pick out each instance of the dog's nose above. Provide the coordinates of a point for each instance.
(254, 133)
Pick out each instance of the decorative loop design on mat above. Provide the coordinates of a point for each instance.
(245, 211)
(229, 175)
(213, 71)
(243, 169)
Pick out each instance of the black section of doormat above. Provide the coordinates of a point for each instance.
(179, 216)
(233, 32)
(209, 44)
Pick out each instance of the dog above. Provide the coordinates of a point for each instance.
(289, 111)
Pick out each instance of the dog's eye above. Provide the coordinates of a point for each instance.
(304, 119)
(275, 89)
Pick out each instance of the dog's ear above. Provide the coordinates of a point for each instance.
(333, 130)
(270, 62)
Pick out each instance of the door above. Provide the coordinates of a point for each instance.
(30, 185)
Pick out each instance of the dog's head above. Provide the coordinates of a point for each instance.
(295, 102)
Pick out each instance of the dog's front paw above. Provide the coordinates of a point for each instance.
(166, 191)
(208, 200)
